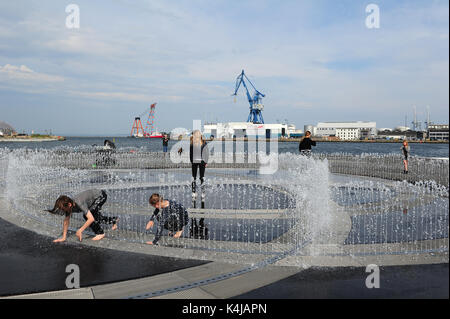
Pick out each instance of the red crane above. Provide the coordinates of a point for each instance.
(137, 130)
(149, 131)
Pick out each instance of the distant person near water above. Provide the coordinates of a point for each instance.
(168, 215)
(199, 159)
(165, 143)
(108, 145)
(89, 203)
(305, 144)
(405, 151)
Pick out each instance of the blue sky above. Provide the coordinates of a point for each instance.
(315, 60)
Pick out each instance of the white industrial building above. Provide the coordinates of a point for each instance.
(246, 129)
(344, 130)
(438, 132)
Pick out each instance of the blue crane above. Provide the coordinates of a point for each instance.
(256, 106)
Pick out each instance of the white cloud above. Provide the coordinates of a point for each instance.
(25, 75)
(127, 96)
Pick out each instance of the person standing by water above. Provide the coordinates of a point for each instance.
(165, 142)
(199, 158)
(306, 143)
(405, 150)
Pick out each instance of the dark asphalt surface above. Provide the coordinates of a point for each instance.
(396, 282)
(32, 263)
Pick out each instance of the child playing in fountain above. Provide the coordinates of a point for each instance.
(89, 203)
(168, 215)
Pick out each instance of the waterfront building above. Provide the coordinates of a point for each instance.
(247, 129)
(346, 130)
(438, 132)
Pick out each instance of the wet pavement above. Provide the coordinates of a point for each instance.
(403, 282)
(32, 263)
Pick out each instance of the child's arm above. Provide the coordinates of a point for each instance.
(90, 220)
(65, 229)
(151, 222)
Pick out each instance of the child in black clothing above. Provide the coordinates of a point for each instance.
(168, 215)
(306, 143)
(89, 203)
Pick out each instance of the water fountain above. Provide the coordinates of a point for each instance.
(340, 207)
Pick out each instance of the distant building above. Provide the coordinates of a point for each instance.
(6, 129)
(246, 129)
(400, 135)
(348, 133)
(438, 132)
(293, 132)
(402, 128)
(346, 130)
(309, 128)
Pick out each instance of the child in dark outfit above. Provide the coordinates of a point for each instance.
(405, 150)
(306, 143)
(89, 203)
(168, 215)
(198, 154)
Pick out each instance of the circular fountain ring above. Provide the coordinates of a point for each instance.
(248, 218)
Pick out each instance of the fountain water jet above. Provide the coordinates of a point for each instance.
(309, 207)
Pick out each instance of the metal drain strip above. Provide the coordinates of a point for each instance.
(211, 280)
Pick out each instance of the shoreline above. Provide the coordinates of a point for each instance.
(32, 139)
(29, 140)
(365, 141)
(297, 140)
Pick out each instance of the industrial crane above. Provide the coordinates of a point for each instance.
(256, 106)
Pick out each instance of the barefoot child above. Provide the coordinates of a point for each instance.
(89, 203)
(168, 215)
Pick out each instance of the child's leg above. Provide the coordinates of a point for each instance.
(202, 186)
(95, 210)
(194, 185)
(108, 220)
(96, 228)
(194, 171)
(202, 171)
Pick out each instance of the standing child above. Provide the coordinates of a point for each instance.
(305, 145)
(405, 151)
(198, 154)
(89, 203)
(168, 215)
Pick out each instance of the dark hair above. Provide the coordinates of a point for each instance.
(62, 205)
(155, 198)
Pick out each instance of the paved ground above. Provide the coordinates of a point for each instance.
(33, 263)
(414, 281)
